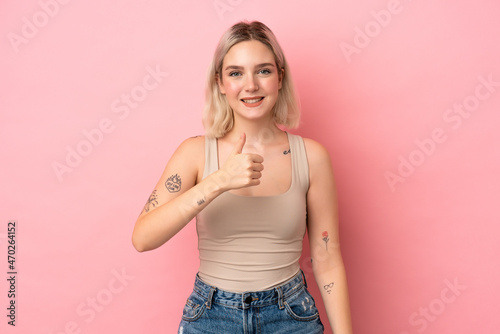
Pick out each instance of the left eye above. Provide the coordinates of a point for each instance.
(265, 71)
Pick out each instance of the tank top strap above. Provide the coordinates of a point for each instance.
(299, 161)
(298, 154)
(211, 159)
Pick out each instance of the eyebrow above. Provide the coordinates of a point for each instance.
(234, 67)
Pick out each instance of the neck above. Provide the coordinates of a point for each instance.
(258, 133)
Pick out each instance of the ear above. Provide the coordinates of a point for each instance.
(282, 75)
(219, 83)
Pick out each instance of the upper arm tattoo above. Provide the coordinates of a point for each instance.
(325, 238)
(173, 183)
(152, 201)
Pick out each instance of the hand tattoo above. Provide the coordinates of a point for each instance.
(173, 183)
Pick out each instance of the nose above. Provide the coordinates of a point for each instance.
(251, 84)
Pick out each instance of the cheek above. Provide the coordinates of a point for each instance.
(232, 88)
(272, 86)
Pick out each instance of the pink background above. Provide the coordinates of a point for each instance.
(379, 95)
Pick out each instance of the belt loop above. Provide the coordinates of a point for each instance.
(304, 278)
(280, 298)
(210, 297)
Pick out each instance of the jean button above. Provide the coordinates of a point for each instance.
(248, 300)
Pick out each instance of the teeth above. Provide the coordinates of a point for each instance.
(253, 100)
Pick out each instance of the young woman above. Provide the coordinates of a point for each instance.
(254, 189)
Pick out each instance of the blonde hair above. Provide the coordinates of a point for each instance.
(218, 115)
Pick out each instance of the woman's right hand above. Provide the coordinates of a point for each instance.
(240, 169)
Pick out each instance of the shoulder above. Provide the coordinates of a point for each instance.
(191, 146)
(188, 159)
(189, 152)
(316, 152)
(321, 178)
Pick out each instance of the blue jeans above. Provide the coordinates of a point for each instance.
(286, 309)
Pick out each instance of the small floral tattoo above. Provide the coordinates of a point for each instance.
(326, 239)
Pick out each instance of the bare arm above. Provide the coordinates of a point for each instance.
(177, 198)
(328, 266)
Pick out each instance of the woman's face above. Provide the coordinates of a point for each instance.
(250, 80)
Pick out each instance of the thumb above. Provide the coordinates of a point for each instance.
(239, 144)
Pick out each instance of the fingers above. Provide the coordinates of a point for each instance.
(243, 169)
(256, 158)
(257, 166)
(247, 163)
(238, 148)
(256, 175)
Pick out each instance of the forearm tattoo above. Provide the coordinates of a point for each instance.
(328, 288)
(152, 201)
(326, 239)
(201, 201)
(173, 183)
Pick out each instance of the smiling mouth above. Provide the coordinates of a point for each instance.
(252, 101)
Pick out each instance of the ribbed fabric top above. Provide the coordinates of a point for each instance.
(253, 243)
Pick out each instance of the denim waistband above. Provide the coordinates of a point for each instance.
(246, 300)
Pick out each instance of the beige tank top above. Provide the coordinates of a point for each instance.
(253, 243)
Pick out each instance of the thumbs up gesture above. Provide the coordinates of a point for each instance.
(242, 169)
